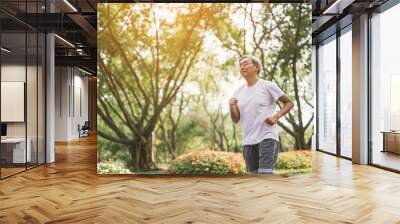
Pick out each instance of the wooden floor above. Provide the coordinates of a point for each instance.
(10, 171)
(70, 191)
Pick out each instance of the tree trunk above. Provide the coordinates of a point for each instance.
(132, 165)
(153, 146)
(141, 156)
(174, 144)
(280, 144)
(309, 143)
(300, 139)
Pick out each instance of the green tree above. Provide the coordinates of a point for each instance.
(280, 35)
(292, 69)
(143, 62)
(170, 121)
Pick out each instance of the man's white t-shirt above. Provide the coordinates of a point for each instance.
(256, 104)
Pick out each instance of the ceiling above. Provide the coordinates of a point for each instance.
(328, 16)
(73, 21)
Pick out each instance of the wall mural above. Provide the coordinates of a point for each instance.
(169, 76)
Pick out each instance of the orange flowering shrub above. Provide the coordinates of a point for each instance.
(208, 162)
(213, 162)
(300, 159)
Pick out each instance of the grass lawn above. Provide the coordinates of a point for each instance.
(279, 171)
(163, 167)
(293, 171)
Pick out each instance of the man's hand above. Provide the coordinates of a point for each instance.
(288, 105)
(234, 109)
(272, 120)
(233, 101)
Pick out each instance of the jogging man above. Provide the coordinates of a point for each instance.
(254, 105)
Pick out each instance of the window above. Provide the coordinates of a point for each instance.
(327, 96)
(385, 86)
(346, 92)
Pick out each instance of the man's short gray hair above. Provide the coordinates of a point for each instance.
(254, 60)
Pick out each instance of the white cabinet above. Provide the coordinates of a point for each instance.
(12, 101)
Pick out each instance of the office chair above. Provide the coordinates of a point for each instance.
(84, 130)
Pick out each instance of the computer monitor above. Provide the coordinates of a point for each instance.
(3, 129)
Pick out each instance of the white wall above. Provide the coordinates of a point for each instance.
(61, 103)
(71, 102)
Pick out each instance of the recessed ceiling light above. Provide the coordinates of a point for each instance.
(337, 7)
(5, 50)
(70, 5)
(86, 72)
(64, 40)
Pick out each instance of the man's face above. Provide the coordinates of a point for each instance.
(247, 68)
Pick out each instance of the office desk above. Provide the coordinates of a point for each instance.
(13, 150)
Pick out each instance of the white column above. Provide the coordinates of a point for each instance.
(50, 92)
(50, 100)
(360, 90)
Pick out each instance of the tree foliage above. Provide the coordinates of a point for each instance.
(162, 68)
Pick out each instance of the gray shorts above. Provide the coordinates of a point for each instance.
(261, 157)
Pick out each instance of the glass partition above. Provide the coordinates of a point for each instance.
(41, 110)
(32, 96)
(22, 88)
(14, 151)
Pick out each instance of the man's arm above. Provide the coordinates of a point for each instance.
(287, 106)
(234, 109)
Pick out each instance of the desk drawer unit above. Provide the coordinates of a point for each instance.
(13, 151)
(391, 142)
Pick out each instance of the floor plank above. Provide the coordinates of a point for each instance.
(70, 191)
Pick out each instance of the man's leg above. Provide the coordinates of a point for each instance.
(250, 155)
(269, 149)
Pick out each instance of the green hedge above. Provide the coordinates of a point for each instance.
(208, 162)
